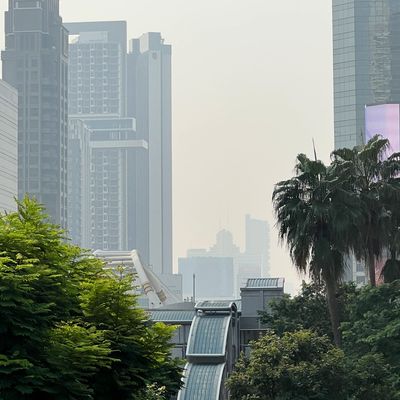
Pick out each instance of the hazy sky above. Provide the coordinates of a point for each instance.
(252, 85)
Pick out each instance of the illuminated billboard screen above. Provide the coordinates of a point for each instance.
(384, 120)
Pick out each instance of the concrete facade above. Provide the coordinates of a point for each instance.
(149, 101)
(8, 147)
(35, 62)
(97, 84)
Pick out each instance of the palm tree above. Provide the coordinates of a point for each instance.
(316, 217)
(372, 174)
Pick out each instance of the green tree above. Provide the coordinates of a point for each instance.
(297, 366)
(308, 310)
(66, 325)
(39, 279)
(141, 349)
(373, 177)
(373, 325)
(316, 216)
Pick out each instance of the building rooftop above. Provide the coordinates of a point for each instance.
(265, 283)
(173, 316)
(215, 305)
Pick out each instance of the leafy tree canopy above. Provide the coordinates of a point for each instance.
(67, 326)
(296, 366)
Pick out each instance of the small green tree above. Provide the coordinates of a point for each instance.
(297, 366)
(141, 349)
(374, 324)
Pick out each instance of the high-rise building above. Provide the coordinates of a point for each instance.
(97, 85)
(366, 63)
(258, 242)
(149, 101)
(35, 62)
(8, 146)
(114, 148)
(97, 76)
(366, 60)
(79, 185)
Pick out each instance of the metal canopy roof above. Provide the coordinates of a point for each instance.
(203, 382)
(215, 305)
(265, 283)
(208, 335)
(173, 316)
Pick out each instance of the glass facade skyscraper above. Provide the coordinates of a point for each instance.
(35, 62)
(366, 57)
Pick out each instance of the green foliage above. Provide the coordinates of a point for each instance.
(152, 392)
(308, 310)
(371, 335)
(296, 366)
(371, 378)
(316, 215)
(373, 176)
(374, 324)
(142, 349)
(67, 327)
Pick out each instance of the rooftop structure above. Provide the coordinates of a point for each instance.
(265, 283)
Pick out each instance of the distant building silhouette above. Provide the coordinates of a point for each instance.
(251, 263)
(35, 62)
(8, 147)
(149, 101)
(213, 277)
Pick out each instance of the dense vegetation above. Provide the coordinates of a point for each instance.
(68, 328)
(332, 341)
(297, 359)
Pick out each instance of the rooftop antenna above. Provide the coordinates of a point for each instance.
(194, 288)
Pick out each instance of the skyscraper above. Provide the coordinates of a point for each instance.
(35, 62)
(366, 60)
(8, 146)
(149, 101)
(97, 84)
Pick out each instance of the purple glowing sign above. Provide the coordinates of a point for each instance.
(384, 120)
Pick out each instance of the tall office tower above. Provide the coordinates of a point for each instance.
(8, 146)
(97, 84)
(366, 60)
(114, 149)
(258, 242)
(35, 62)
(79, 200)
(149, 101)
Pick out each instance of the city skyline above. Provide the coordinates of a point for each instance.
(235, 95)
